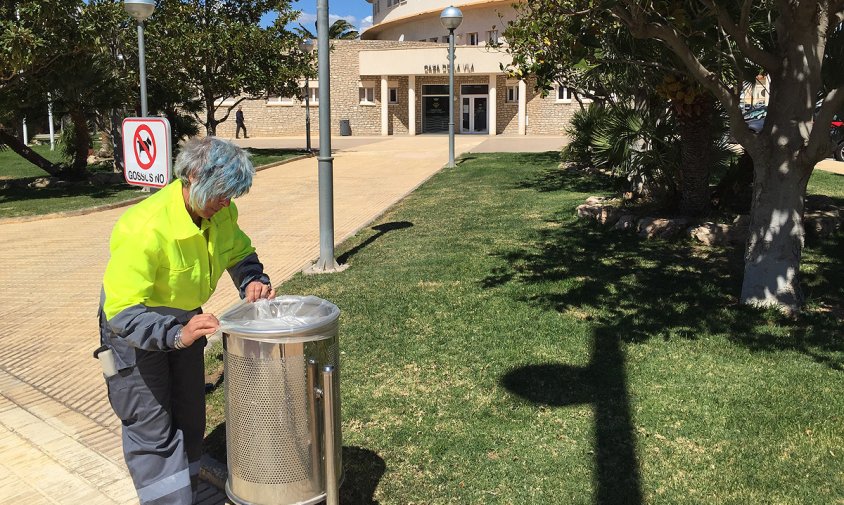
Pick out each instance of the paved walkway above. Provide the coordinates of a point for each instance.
(59, 440)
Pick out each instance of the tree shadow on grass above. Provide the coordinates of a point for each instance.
(571, 178)
(636, 290)
(639, 289)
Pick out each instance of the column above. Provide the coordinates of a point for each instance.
(411, 105)
(385, 106)
(522, 107)
(492, 125)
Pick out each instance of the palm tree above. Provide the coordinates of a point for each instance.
(340, 29)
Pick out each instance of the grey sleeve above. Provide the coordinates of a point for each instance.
(247, 270)
(144, 328)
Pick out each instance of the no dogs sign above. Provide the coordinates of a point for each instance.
(146, 151)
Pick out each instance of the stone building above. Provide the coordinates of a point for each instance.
(395, 80)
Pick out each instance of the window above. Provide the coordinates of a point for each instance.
(512, 93)
(444, 38)
(394, 95)
(313, 93)
(564, 94)
(367, 94)
(492, 37)
(472, 39)
(280, 100)
(433, 39)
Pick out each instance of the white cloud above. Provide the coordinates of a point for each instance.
(307, 20)
(365, 23)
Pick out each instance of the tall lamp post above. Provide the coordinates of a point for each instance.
(141, 10)
(307, 46)
(451, 18)
(326, 262)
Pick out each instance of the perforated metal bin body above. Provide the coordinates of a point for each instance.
(274, 417)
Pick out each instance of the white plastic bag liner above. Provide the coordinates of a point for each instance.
(284, 316)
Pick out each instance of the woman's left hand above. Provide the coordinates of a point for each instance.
(257, 290)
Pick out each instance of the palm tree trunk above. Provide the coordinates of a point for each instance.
(696, 138)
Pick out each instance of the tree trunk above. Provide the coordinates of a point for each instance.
(81, 141)
(775, 244)
(210, 119)
(28, 154)
(696, 158)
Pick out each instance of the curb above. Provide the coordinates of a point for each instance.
(124, 203)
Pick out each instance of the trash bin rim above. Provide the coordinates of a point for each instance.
(326, 327)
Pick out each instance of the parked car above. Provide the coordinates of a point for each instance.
(756, 113)
(837, 137)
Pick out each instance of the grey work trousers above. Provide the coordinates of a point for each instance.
(161, 403)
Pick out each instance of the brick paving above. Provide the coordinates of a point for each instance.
(59, 439)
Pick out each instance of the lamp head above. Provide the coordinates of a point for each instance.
(139, 9)
(451, 18)
(306, 45)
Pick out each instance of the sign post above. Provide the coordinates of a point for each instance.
(146, 151)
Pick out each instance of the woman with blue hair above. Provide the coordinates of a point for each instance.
(167, 254)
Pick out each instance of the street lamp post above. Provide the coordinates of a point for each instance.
(326, 262)
(307, 45)
(140, 10)
(451, 17)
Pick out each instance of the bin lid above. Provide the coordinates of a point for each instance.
(284, 316)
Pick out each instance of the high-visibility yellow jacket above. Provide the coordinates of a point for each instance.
(163, 268)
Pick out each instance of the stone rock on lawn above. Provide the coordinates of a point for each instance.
(626, 222)
(650, 227)
(599, 209)
(711, 234)
(821, 223)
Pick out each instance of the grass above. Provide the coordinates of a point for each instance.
(13, 166)
(496, 350)
(266, 156)
(16, 201)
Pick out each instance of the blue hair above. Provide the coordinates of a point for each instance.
(213, 168)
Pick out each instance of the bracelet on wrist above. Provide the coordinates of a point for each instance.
(177, 342)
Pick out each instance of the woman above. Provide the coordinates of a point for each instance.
(167, 254)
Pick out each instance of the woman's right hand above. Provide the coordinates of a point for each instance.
(199, 326)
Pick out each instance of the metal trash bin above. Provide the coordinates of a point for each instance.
(282, 392)
(345, 127)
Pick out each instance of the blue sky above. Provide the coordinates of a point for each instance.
(356, 12)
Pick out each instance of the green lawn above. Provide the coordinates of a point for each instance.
(18, 201)
(496, 350)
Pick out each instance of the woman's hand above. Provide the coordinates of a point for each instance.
(257, 290)
(199, 326)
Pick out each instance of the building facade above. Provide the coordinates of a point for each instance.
(394, 81)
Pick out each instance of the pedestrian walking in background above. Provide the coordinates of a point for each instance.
(238, 118)
(167, 254)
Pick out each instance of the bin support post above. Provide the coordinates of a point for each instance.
(332, 487)
(316, 467)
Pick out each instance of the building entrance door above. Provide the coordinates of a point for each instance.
(474, 114)
(434, 114)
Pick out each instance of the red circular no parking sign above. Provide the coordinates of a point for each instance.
(144, 147)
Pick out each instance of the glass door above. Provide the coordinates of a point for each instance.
(473, 114)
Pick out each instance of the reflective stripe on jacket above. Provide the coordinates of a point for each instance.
(163, 268)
